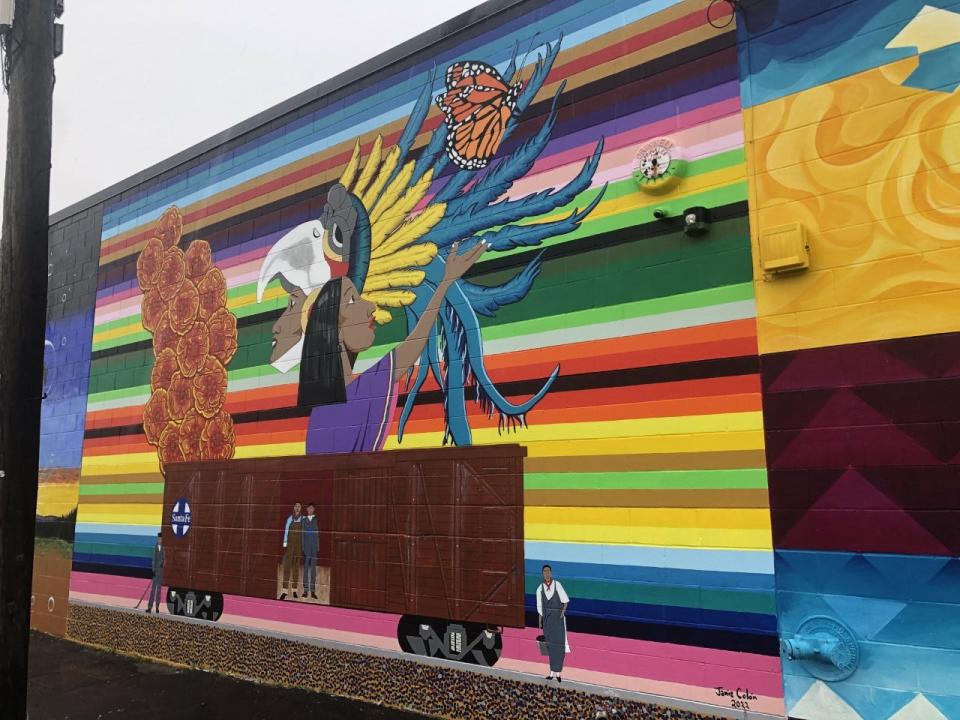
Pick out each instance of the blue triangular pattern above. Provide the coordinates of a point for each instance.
(831, 565)
(818, 569)
(859, 577)
(937, 70)
(794, 688)
(794, 608)
(789, 572)
(949, 705)
(911, 574)
(872, 702)
(946, 582)
(934, 625)
(865, 616)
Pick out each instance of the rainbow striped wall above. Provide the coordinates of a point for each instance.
(645, 481)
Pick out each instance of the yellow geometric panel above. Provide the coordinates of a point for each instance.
(871, 169)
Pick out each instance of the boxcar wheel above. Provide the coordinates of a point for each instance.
(174, 604)
(488, 650)
(408, 635)
(217, 606)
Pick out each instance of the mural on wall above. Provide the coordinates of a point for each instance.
(636, 470)
(852, 124)
(57, 496)
(184, 307)
(344, 272)
(71, 280)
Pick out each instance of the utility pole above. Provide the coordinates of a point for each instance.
(28, 56)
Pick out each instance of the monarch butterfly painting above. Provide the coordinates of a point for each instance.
(478, 104)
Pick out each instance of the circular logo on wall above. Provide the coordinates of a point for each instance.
(659, 165)
(180, 517)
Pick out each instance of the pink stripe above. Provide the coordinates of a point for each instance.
(534, 666)
(686, 653)
(699, 122)
(654, 663)
(678, 126)
(659, 662)
(134, 292)
(108, 308)
(673, 127)
(343, 619)
(618, 164)
(235, 275)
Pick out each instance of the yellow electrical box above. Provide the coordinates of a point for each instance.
(783, 249)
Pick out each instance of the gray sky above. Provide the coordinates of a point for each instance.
(140, 80)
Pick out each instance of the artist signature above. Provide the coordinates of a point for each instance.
(739, 698)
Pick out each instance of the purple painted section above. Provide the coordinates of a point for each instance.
(863, 446)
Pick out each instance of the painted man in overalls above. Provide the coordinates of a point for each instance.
(293, 551)
(311, 543)
(552, 604)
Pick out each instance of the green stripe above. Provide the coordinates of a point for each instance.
(737, 192)
(711, 198)
(748, 479)
(719, 195)
(751, 601)
(628, 311)
(128, 382)
(649, 267)
(240, 312)
(610, 281)
(94, 548)
(123, 489)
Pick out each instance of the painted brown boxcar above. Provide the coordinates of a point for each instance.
(435, 536)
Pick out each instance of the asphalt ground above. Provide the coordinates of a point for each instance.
(69, 681)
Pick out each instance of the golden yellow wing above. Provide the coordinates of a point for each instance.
(396, 255)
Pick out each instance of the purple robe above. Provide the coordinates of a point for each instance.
(362, 422)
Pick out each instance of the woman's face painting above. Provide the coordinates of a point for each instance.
(287, 330)
(356, 318)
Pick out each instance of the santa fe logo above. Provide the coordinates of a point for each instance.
(180, 517)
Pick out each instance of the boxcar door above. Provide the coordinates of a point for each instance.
(360, 539)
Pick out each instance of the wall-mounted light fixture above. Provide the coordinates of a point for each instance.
(695, 221)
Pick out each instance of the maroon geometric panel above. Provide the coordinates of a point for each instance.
(863, 446)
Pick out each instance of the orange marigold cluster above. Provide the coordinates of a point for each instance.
(194, 338)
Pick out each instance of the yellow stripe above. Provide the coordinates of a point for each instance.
(620, 518)
(605, 445)
(56, 498)
(623, 445)
(606, 208)
(136, 463)
(123, 464)
(233, 305)
(632, 202)
(121, 514)
(645, 427)
(278, 450)
(657, 537)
